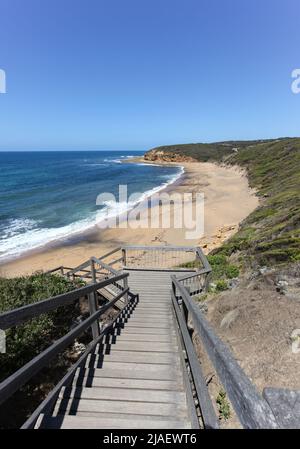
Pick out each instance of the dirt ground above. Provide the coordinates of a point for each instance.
(256, 321)
(259, 328)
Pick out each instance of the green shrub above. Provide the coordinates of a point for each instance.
(25, 341)
(232, 271)
(217, 259)
(221, 285)
(222, 269)
(223, 405)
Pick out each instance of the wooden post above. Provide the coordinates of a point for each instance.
(93, 271)
(185, 309)
(206, 281)
(92, 297)
(125, 286)
(124, 256)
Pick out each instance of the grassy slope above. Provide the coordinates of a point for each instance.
(271, 234)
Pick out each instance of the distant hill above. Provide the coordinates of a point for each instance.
(271, 234)
(200, 151)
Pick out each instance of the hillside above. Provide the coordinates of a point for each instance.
(253, 300)
(201, 152)
(271, 234)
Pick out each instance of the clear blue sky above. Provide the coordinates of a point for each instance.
(133, 74)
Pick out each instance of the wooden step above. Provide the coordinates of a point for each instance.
(150, 314)
(141, 357)
(146, 330)
(159, 320)
(111, 371)
(154, 309)
(153, 325)
(90, 422)
(124, 394)
(126, 416)
(146, 337)
(144, 384)
(127, 407)
(137, 367)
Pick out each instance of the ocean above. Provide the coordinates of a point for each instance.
(50, 196)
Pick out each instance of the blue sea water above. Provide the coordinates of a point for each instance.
(50, 196)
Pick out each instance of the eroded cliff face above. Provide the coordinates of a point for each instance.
(167, 156)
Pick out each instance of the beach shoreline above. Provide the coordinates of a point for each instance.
(228, 200)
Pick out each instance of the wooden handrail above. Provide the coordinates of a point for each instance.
(203, 259)
(110, 253)
(209, 416)
(21, 314)
(11, 384)
(105, 265)
(195, 274)
(252, 410)
(49, 401)
(161, 248)
(87, 262)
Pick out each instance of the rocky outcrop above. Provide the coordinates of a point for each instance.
(167, 156)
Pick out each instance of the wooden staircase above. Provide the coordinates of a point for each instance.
(135, 379)
(140, 368)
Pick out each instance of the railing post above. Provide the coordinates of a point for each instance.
(185, 309)
(174, 288)
(92, 298)
(206, 281)
(124, 257)
(125, 286)
(93, 270)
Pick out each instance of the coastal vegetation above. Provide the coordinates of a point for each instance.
(27, 340)
(271, 234)
(222, 271)
(223, 405)
(201, 152)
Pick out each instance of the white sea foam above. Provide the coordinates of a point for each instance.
(146, 163)
(114, 161)
(23, 235)
(96, 165)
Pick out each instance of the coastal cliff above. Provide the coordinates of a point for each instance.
(157, 155)
(200, 152)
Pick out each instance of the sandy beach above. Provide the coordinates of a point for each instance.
(228, 200)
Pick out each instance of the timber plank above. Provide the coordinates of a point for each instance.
(124, 394)
(142, 357)
(147, 337)
(151, 325)
(137, 408)
(85, 422)
(146, 330)
(132, 374)
(144, 384)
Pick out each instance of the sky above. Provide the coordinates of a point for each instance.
(134, 74)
